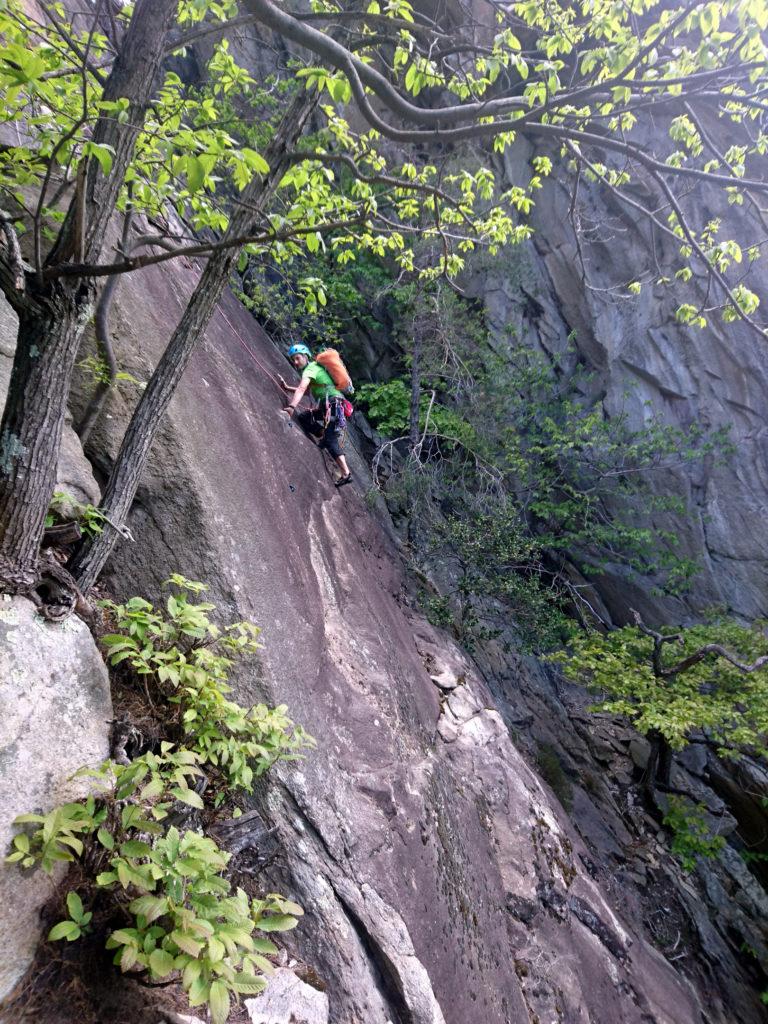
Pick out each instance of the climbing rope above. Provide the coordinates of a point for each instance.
(250, 352)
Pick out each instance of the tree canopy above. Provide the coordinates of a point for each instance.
(587, 78)
(671, 684)
(375, 128)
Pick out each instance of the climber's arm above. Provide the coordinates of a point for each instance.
(298, 394)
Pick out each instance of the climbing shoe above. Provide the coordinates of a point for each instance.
(344, 480)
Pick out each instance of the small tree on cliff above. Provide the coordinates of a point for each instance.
(100, 122)
(671, 684)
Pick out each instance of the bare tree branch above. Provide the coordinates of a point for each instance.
(219, 29)
(202, 249)
(706, 651)
(63, 33)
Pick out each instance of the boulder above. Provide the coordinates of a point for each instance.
(54, 691)
(288, 1000)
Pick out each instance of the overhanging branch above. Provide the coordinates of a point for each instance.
(203, 249)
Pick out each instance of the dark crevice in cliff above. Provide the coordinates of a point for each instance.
(388, 981)
(605, 934)
(384, 973)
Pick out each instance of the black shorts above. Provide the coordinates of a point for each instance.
(330, 436)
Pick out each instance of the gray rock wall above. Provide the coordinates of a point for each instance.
(55, 696)
(646, 364)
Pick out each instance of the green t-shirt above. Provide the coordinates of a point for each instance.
(320, 382)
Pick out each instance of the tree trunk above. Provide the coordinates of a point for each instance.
(133, 78)
(414, 431)
(104, 342)
(659, 767)
(131, 460)
(52, 316)
(30, 434)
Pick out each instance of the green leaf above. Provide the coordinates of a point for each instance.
(188, 796)
(218, 1000)
(74, 906)
(187, 943)
(161, 963)
(150, 907)
(195, 173)
(106, 839)
(102, 153)
(153, 788)
(198, 990)
(21, 842)
(277, 923)
(264, 945)
(262, 963)
(255, 161)
(128, 957)
(64, 930)
(291, 908)
(135, 848)
(249, 984)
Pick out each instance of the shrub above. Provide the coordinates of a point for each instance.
(672, 683)
(691, 835)
(188, 659)
(514, 439)
(64, 507)
(166, 889)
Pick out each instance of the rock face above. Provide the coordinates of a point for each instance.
(702, 921)
(56, 703)
(442, 882)
(644, 363)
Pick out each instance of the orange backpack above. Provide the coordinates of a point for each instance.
(331, 361)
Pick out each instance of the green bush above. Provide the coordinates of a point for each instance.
(513, 437)
(685, 686)
(64, 507)
(497, 558)
(188, 658)
(691, 836)
(315, 298)
(180, 914)
(166, 889)
(387, 405)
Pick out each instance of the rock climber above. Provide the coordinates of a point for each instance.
(326, 422)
